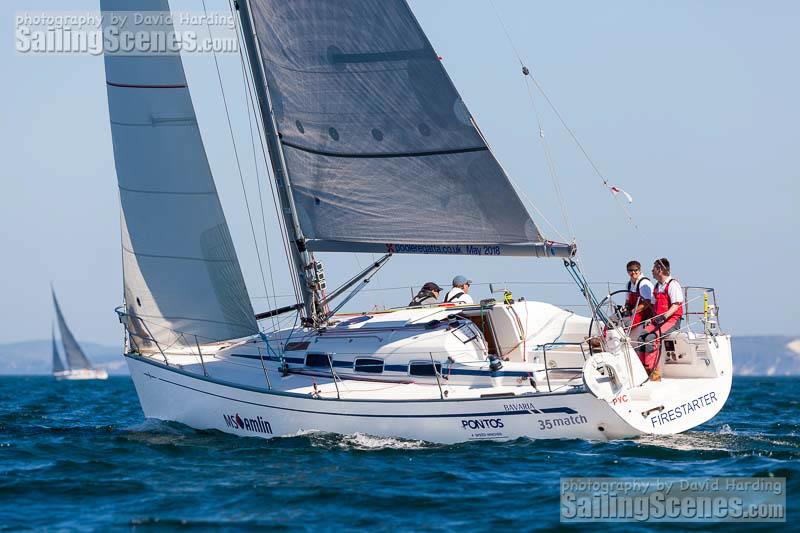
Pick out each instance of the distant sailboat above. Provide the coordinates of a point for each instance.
(79, 367)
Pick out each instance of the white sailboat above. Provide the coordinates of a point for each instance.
(358, 115)
(78, 365)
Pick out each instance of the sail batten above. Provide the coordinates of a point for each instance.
(385, 155)
(378, 144)
(182, 279)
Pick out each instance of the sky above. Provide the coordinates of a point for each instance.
(691, 107)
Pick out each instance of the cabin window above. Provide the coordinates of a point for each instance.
(318, 360)
(466, 332)
(296, 346)
(424, 368)
(370, 366)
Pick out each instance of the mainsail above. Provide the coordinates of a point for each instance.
(381, 152)
(76, 359)
(58, 366)
(183, 282)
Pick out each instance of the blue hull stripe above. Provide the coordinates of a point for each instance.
(552, 410)
(269, 392)
(548, 410)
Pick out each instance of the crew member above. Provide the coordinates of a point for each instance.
(668, 296)
(459, 293)
(639, 305)
(427, 295)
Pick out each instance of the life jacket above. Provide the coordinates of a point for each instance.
(635, 298)
(421, 297)
(663, 303)
(454, 296)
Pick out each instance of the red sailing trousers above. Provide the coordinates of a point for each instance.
(650, 353)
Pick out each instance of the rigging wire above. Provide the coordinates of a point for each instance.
(582, 149)
(251, 106)
(236, 153)
(528, 74)
(273, 185)
(549, 159)
(249, 75)
(545, 145)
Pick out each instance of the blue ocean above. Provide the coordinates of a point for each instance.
(81, 456)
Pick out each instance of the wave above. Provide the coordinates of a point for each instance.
(364, 442)
(357, 441)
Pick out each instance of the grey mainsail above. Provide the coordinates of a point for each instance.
(381, 151)
(58, 366)
(183, 282)
(76, 359)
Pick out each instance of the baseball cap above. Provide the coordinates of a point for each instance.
(431, 286)
(458, 281)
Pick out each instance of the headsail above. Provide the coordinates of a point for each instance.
(381, 151)
(76, 359)
(183, 282)
(58, 366)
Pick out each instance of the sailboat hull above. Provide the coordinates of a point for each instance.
(167, 393)
(241, 387)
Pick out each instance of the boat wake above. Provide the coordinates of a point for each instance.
(733, 443)
(159, 432)
(361, 442)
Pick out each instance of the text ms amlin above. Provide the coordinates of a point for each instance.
(257, 425)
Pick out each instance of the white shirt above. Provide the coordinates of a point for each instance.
(675, 290)
(463, 299)
(645, 288)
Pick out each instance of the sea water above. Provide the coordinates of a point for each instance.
(81, 456)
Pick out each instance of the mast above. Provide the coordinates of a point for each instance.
(301, 258)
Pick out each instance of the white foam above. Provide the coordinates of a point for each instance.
(694, 441)
(726, 430)
(362, 441)
(794, 346)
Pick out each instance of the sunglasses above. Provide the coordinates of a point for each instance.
(633, 271)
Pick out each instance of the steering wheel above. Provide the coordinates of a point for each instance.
(614, 315)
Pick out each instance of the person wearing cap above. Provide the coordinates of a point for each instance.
(459, 293)
(427, 295)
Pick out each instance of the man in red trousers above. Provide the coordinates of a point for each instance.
(668, 296)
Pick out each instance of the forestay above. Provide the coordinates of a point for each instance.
(183, 282)
(381, 152)
(76, 360)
